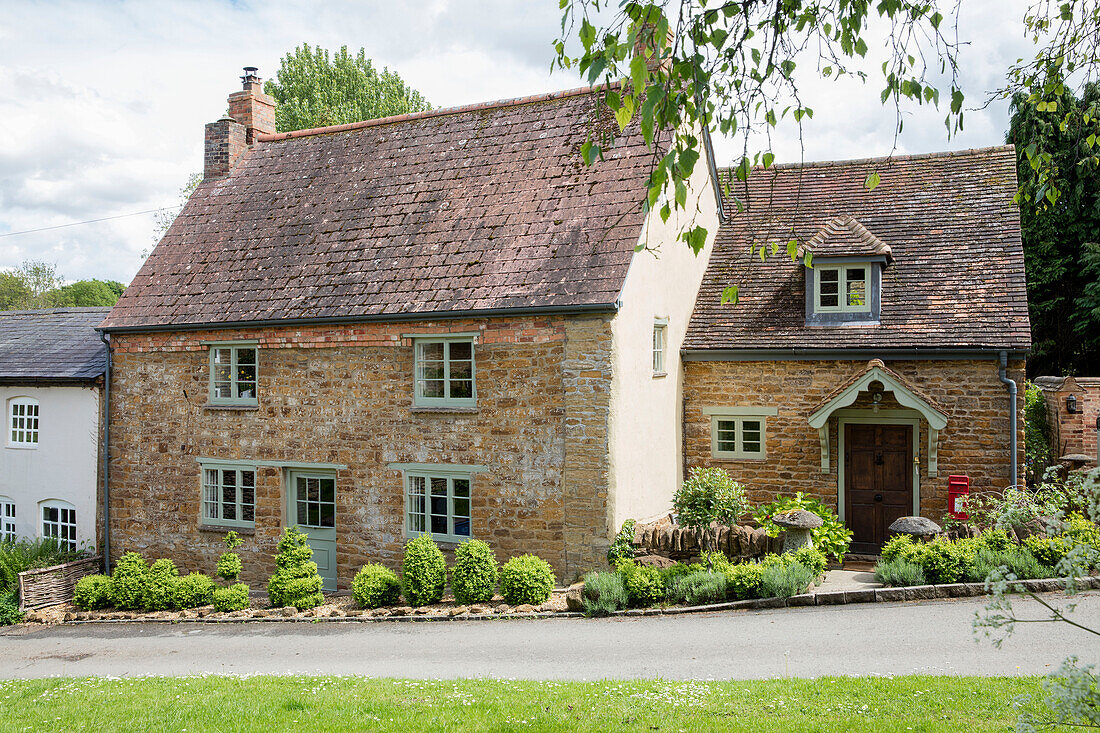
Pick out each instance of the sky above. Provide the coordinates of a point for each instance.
(103, 102)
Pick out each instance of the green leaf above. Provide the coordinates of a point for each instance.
(872, 181)
(681, 194)
(792, 249)
(768, 158)
(808, 259)
(696, 238)
(638, 73)
(729, 295)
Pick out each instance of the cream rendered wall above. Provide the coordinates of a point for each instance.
(645, 411)
(65, 464)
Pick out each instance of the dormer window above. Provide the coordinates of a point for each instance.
(842, 288)
(844, 278)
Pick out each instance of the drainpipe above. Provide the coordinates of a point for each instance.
(106, 457)
(1002, 374)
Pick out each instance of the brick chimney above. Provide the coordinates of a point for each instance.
(250, 112)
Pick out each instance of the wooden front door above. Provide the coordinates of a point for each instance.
(878, 481)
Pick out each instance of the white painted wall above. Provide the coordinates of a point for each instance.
(645, 420)
(64, 465)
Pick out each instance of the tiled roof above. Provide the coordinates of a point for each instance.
(843, 236)
(481, 208)
(957, 276)
(51, 344)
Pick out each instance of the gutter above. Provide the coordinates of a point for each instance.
(551, 310)
(1010, 385)
(106, 456)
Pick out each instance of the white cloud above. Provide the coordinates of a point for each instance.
(102, 103)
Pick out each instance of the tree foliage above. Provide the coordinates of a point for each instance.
(1059, 201)
(316, 88)
(39, 285)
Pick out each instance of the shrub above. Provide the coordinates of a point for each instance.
(1082, 531)
(698, 588)
(900, 545)
(295, 581)
(233, 598)
(474, 575)
(941, 561)
(1047, 550)
(9, 609)
(812, 558)
(22, 555)
(229, 564)
(1017, 560)
(672, 573)
(899, 572)
(129, 582)
(644, 585)
(375, 586)
(779, 581)
(526, 579)
(622, 547)
(423, 572)
(996, 540)
(603, 593)
(92, 592)
(709, 495)
(194, 590)
(743, 581)
(832, 537)
(160, 590)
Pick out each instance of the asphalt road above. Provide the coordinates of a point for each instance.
(932, 637)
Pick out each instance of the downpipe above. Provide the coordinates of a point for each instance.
(1010, 384)
(106, 457)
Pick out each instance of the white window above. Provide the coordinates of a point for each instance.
(660, 341)
(437, 504)
(59, 521)
(444, 372)
(234, 372)
(842, 289)
(23, 422)
(229, 496)
(7, 519)
(738, 436)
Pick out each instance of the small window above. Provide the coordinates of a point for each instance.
(234, 372)
(229, 496)
(660, 336)
(315, 501)
(23, 422)
(59, 521)
(445, 373)
(842, 289)
(7, 519)
(438, 505)
(737, 436)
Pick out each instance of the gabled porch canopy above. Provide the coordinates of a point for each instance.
(906, 394)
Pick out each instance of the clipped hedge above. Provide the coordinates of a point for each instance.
(526, 579)
(295, 581)
(375, 586)
(233, 598)
(129, 582)
(92, 592)
(644, 585)
(194, 590)
(475, 573)
(423, 572)
(160, 589)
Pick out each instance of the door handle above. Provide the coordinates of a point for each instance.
(878, 497)
(878, 459)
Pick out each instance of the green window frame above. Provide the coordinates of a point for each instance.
(444, 372)
(229, 496)
(842, 288)
(439, 503)
(738, 436)
(234, 373)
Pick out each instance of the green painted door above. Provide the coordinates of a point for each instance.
(311, 507)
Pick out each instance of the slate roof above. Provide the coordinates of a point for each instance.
(470, 209)
(51, 344)
(957, 276)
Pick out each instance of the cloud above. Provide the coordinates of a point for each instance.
(102, 104)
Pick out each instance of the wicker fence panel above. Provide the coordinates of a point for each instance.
(54, 585)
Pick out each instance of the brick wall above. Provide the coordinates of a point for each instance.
(1074, 433)
(974, 442)
(343, 395)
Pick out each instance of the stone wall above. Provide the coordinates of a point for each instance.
(344, 395)
(974, 442)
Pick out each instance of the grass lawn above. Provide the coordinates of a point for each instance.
(356, 704)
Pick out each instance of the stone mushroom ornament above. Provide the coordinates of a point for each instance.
(797, 527)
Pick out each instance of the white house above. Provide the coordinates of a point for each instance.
(51, 375)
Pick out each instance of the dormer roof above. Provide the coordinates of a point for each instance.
(844, 236)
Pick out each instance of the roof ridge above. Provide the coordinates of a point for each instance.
(885, 158)
(427, 114)
(62, 309)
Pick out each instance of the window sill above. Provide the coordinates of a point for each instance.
(658, 375)
(730, 459)
(249, 531)
(22, 447)
(239, 408)
(441, 410)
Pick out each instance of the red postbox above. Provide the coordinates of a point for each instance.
(958, 487)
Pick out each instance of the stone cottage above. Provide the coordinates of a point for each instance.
(51, 385)
(892, 362)
(440, 322)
